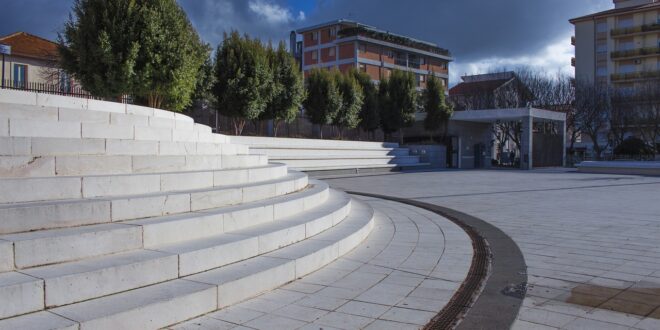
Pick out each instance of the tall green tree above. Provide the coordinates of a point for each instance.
(171, 55)
(398, 101)
(352, 98)
(99, 46)
(369, 113)
(323, 98)
(287, 87)
(437, 110)
(243, 79)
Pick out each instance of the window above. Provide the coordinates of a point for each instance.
(625, 22)
(363, 67)
(601, 26)
(331, 52)
(333, 31)
(362, 49)
(601, 47)
(315, 36)
(627, 68)
(422, 78)
(390, 54)
(413, 61)
(601, 71)
(400, 59)
(626, 45)
(422, 60)
(20, 75)
(314, 55)
(65, 82)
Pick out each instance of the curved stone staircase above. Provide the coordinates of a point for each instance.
(124, 217)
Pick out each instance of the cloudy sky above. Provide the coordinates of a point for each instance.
(481, 34)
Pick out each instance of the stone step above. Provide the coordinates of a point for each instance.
(39, 320)
(15, 127)
(52, 246)
(267, 142)
(178, 300)
(314, 153)
(36, 146)
(313, 163)
(245, 279)
(36, 101)
(100, 276)
(49, 166)
(28, 216)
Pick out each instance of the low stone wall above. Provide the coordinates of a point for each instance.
(435, 155)
(620, 167)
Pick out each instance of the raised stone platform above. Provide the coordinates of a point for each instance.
(115, 216)
(620, 167)
(406, 271)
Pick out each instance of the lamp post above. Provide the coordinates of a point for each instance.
(4, 50)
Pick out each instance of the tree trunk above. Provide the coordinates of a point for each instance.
(400, 136)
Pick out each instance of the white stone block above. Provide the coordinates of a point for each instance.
(259, 191)
(84, 116)
(139, 110)
(26, 166)
(106, 106)
(31, 112)
(15, 146)
(131, 147)
(204, 162)
(161, 122)
(116, 185)
(204, 254)
(59, 101)
(282, 237)
(209, 149)
(230, 177)
(179, 228)
(186, 181)
(215, 198)
(93, 164)
(128, 119)
(285, 187)
(184, 135)
(317, 259)
(206, 138)
(6, 256)
(203, 129)
(22, 190)
(177, 148)
(46, 215)
(39, 320)
(244, 216)
(152, 307)
(60, 147)
(243, 280)
(106, 131)
(183, 118)
(4, 126)
(150, 164)
(98, 277)
(239, 161)
(18, 97)
(20, 294)
(153, 133)
(184, 125)
(60, 245)
(35, 128)
(150, 206)
(164, 114)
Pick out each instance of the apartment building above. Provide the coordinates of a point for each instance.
(345, 44)
(619, 47)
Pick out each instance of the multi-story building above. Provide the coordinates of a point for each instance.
(345, 44)
(619, 47)
(33, 60)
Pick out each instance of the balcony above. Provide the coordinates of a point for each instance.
(573, 61)
(638, 52)
(573, 40)
(622, 32)
(642, 75)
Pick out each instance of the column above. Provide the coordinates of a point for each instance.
(526, 161)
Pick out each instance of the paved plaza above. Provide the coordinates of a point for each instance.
(591, 242)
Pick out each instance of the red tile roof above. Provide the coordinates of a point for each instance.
(28, 45)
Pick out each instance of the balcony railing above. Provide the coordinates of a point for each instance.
(392, 38)
(636, 75)
(573, 40)
(635, 52)
(572, 61)
(635, 29)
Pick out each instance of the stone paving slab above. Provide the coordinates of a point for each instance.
(396, 279)
(591, 242)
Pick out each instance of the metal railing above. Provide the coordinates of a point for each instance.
(635, 52)
(635, 29)
(55, 89)
(636, 75)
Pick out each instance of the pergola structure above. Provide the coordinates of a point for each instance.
(474, 128)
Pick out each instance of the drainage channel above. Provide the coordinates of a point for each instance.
(493, 290)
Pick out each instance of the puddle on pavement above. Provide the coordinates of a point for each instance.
(639, 300)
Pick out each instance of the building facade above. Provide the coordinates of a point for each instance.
(33, 61)
(620, 47)
(345, 44)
